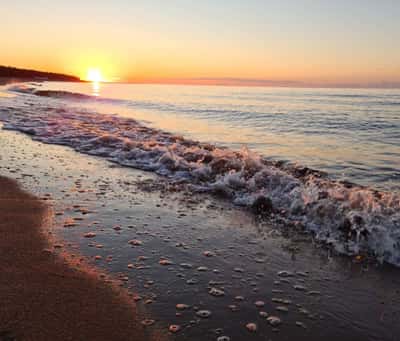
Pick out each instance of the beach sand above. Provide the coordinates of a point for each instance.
(42, 298)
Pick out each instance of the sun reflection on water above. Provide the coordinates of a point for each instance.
(96, 89)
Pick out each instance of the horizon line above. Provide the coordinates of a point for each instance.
(255, 82)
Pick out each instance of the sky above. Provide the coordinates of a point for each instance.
(252, 42)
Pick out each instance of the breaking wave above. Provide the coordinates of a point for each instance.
(351, 218)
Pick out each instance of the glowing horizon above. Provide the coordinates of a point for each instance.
(295, 43)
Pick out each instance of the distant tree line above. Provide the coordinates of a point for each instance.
(12, 72)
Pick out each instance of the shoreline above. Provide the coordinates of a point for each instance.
(43, 298)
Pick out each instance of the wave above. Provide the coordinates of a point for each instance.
(351, 218)
(22, 88)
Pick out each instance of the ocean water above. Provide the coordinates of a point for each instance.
(353, 134)
(326, 160)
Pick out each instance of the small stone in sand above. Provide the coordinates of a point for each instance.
(216, 292)
(224, 338)
(174, 328)
(90, 235)
(203, 313)
(165, 262)
(251, 327)
(135, 242)
(259, 304)
(147, 322)
(238, 270)
(192, 281)
(181, 306)
(274, 320)
(233, 307)
(186, 265)
(299, 287)
(285, 273)
(263, 314)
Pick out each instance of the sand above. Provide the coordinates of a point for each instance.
(42, 298)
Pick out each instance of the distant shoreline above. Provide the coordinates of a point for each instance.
(10, 74)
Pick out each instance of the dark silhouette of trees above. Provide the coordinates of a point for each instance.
(23, 74)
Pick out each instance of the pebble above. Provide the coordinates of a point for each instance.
(174, 328)
(216, 292)
(192, 281)
(202, 268)
(90, 235)
(208, 253)
(238, 270)
(224, 338)
(186, 265)
(299, 287)
(135, 242)
(165, 262)
(259, 304)
(276, 291)
(181, 306)
(301, 273)
(263, 314)
(251, 327)
(204, 313)
(233, 307)
(282, 308)
(281, 300)
(147, 322)
(285, 273)
(274, 320)
(301, 324)
(304, 311)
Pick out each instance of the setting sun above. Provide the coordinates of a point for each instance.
(94, 75)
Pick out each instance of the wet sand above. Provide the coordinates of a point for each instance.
(42, 297)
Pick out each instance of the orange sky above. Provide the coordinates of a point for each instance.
(254, 43)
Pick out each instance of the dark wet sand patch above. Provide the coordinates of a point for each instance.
(42, 297)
